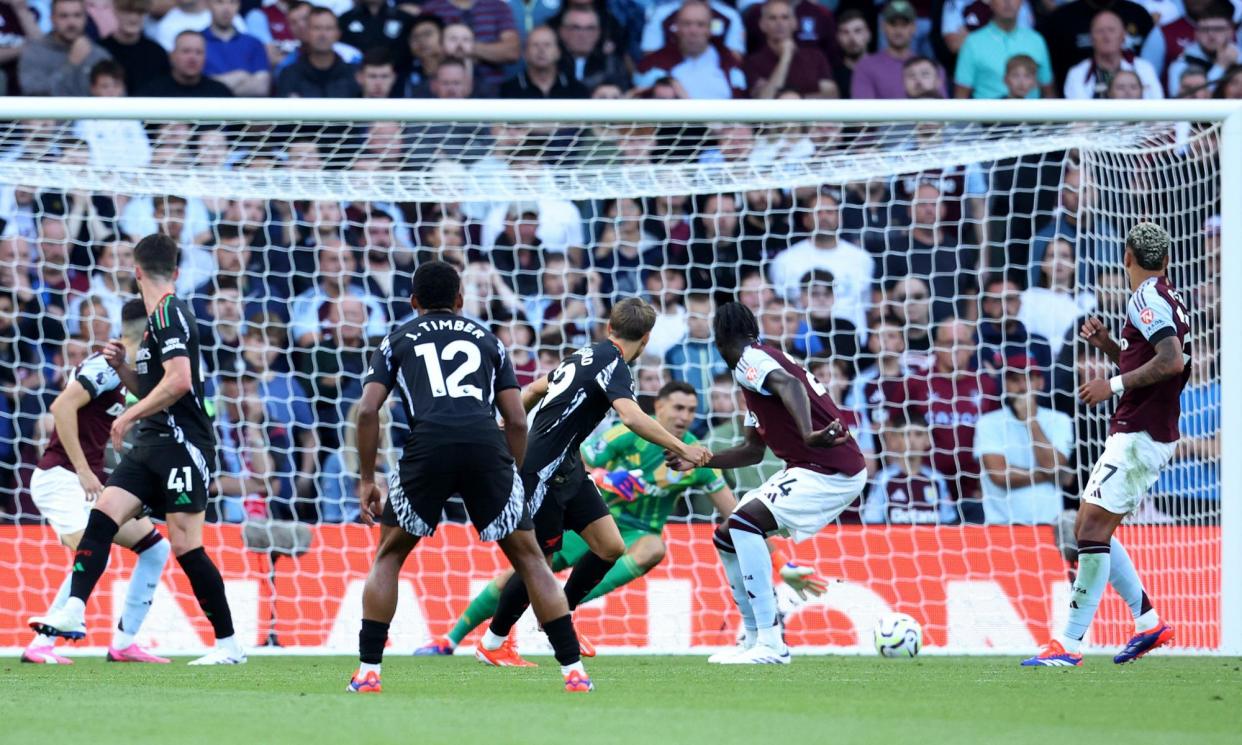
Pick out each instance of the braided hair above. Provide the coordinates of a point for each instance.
(735, 325)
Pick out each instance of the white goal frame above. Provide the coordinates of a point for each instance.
(1227, 113)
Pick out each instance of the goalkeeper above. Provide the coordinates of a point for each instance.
(641, 492)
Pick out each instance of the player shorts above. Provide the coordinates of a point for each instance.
(805, 501)
(60, 498)
(1127, 468)
(571, 501)
(575, 546)
(166, 478)
(484, 475)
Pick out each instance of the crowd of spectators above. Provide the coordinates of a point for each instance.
(939, 308)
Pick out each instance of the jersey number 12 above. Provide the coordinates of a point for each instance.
(451, 386)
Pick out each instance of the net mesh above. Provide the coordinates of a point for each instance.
(908, 265)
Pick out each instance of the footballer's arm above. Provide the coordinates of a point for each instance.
(512, 406)
(65, 414)
(750, 452)
(177, 382)
(115, 355)
(632, 416)
(793, 395)
(534, 393)
(373, 397)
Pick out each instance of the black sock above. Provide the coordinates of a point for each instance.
(91, 558)
(587, 573)
(1146, 603)
(513, 603)
(371, 641)
(208, 588)
(564, 640)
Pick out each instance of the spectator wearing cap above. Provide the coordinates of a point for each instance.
(879, 75)
(60, 63)
(854, 41)
(1215, 48)
(782, 64)
(704, 68)
(542, 77)
(496, 39)
(1091, 77)
(981, 63)
(1023, 448)
(852, 268)
(587, 57)
(142, 58)
(238, 60)
(1067, 30)
(725, 27)
(374, 23)
(318, 71)
(185, 78)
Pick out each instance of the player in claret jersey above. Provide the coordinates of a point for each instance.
(168, 471)
(70, 477)
(1154, 362)
(792, 413)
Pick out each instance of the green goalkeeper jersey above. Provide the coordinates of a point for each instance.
(618, 448)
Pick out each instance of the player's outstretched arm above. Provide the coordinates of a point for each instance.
(632, 416)
(65, 413)
(512, 408)
(1096, 334)
(750, 452)
(373, 397)
(793, 395)
(534, 393)
(177, 381)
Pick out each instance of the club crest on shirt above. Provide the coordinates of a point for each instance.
(752, 374)
(1124, 344)
(1147, 316)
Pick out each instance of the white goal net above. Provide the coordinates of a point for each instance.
(928, 273)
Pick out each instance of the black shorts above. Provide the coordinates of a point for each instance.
(170, 477)
(484, 476)
(570, 501)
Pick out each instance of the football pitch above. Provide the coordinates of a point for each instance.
(638, 701)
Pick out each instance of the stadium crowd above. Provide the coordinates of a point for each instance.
(940, 308)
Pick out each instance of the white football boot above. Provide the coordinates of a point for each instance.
(760, 654)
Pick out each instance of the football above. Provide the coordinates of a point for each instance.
(898, 635)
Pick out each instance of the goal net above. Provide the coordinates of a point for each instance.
(932, 275)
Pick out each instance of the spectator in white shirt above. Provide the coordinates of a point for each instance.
(665, 289)
(1091, 77)
(113, 143)
(852, 268)
(1023, 448)
(1051, 308)
(187, 15)
(704, 67)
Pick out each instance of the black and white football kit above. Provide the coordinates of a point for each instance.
(449, 370)
(580, 394)
(171, 463)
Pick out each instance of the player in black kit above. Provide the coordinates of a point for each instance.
(170, 466)
(569, 403)
(453, 375)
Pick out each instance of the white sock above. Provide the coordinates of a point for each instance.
(756, 564)
(1146, 621)
(733, 571)
(771, 637)
(62, 594)
(750, 635)
(1125, 580)
(1093, 571)
(75, 606)
(143, 582)
(230, 645)
(567, 669)
(43, 640)
(491, 641)
(367, 667)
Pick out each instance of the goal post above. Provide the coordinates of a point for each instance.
(556, 208)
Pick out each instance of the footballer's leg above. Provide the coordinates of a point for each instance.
(737, 585)
(379, 605)
(481, 608)
(1149, 630)
(185, 532)
(645, 552)
(60, 498)
(141, 537)
(748, 528)
(114, 507)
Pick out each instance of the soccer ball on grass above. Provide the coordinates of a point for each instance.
(898, 635)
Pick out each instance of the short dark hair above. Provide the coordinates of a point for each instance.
(1220, 9)
(436, 285)
(850, 14)
(631, 319)
(451, 62)
(227, 231)
(107, 68)
(133, 310)
(157, 255)
(677, 386)
(318, 10)
(377, 57)
(820, 277)
(434, 20)
(734, 324)
(919, 59)
(900, 417)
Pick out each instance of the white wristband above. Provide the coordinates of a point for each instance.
(1116, 384)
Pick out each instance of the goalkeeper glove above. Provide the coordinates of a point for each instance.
(622, 483)
(802, 580)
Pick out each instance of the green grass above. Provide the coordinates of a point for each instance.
(639, 701)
